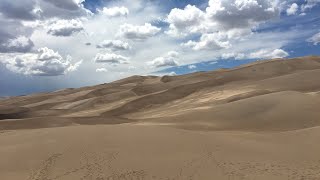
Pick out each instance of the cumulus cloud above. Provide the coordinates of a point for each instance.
(192, 66)
(66, 4)
(239, 14)
(45, 62)
(170, 59)
(233, 17)
(111, 58)
(134, 32)
(19, 9)
(184, 21)
(232, 55)
(19, 44)
(101, 70)
(315, 39)
(259, 54)
(268, 54)
(214, 41)
(62, 9)
(172, 73)
(222, 25)
(42, 9)
(309, 4)
(115, 11)
(65, 27)
(115, 45)
(293, 9)
(14, 37)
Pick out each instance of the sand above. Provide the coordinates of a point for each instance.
(258, 121)
(157, 152)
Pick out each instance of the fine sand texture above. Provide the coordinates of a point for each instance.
(257, 121)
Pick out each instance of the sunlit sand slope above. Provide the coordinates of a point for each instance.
(266, 95)
(260, 121)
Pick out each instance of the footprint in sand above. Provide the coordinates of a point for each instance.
(43, 171)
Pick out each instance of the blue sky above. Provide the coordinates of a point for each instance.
(47, 45)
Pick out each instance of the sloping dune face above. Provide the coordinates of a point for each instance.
(269, 95)
(255, 122)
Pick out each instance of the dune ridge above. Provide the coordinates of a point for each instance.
(239, 98)
(259, 121)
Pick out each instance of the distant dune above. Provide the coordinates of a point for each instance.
(256, 121)
(265, 95)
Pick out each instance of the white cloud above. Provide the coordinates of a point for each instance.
(133, 32)
(232, 17)
(111, 58)
(239, 14)
(14, 36)
(115, 11)
(75, 66)
(214, 41)
(184, 21)
(172, 73)
(268, 54)
(236, 56)
(309, 4)
(170, 59)
(65, 27)
(115, 45)
(19, 9)
(174, 54)
(192, 66)
(66, 4)
(101, 70)
(293, 9)
(258, 54)
(19, 44)
(213, 62)
(315, 39)
(45, 62)
(62, 9)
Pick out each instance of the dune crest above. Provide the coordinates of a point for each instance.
(257, 96)
(259, 121)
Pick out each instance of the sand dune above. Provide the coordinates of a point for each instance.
(270, 112)
(257, 121)
(151, 95)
